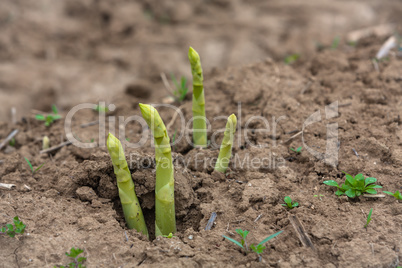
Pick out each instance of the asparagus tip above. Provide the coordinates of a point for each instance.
(193, 55)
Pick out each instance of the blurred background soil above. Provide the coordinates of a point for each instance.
(69, 52)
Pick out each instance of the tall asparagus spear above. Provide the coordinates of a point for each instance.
(129, 201)
(199, 123)
(165, 220)
(226, 147)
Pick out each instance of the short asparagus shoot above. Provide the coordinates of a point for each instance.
(199, 119)
(129, 201)
(165, 219)
(227, 143)
(45, 143)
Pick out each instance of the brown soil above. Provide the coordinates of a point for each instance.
(86, 51)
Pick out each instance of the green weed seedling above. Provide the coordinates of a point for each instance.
(289, 203)
(49, 119)
(397, 194)
(335, 42)
(258, 249)
(12, 142)
(298, 150)
(292, 58)
(355, 186)
(31, 167)
(368, 218)
(99, 108)
(181, 89)
(77, 261)
(169, 235)
(12, 230)
(319, 196)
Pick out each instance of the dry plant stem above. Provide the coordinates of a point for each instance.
(9, 138)
(54, 148)
(129, 201)
(199, 123)
(165, 219)
(226, 147)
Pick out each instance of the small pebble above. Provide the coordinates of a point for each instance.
(190, 237)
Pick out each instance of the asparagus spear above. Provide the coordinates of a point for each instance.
(129, 201)
(226, 147)
(199, 123)
(165, 220)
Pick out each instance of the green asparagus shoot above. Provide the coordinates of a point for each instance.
(129, 201)
(298, 150)
(355, 186)
(397, 194)
(77, 261)
(181, 89)
(368, 218)
(289, 203)
(226, 147)
(199, 123)
(50, 118)
(11, 230)
(259, 248)
(31, 167)
(165, 219)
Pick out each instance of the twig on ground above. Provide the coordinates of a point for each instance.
(166, 83)
(211, 221)
(258, 217)
(54, 148)
(13, 115)
(301, 232)
(227, 230)
(294, 136)
(169, 125)
(7, 185)
(89, 124)
(9, 137)
(344, 104)
(355, 152)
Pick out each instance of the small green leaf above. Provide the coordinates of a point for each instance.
(233, 241)
(269, 238)
(81, 259)
(386, 192)
(350, 180)
(372, 186)
(54, 109)
(38, 167)
(29, 163)
(370, 180)
(40, 117)
(371, 191)
(288, 201)
(339, 193)
(295, 204)
(351, 193)
(331, 183)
